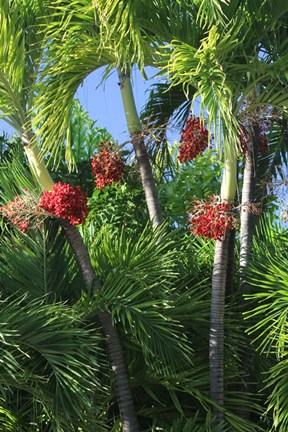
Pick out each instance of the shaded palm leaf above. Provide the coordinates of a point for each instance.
(45, 255)
(49, 355)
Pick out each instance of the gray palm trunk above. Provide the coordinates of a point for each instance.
(219, 283)
(247, 216)
(124, 395)
(134, 127)
(216, 342)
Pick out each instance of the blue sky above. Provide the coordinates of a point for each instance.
(104, 103)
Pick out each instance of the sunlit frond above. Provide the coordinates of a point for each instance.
(20, 57)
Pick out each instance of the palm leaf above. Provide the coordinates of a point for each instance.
(49, 354)
(45, 255)
(20, 57)
(138, 296)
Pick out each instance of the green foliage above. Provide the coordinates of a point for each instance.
(83, 139)
(49, 359)
(196, 179)
(19, 60)
(138, 297)
(118, 206)
(268, 315)
(45, 255)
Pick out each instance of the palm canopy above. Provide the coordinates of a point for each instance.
(212, 47)
(230, 63)
(85, 35)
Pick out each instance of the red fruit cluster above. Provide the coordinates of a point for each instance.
(194, 139)
(107, 166)
(65, 202)
(22, 211)
(212, 218)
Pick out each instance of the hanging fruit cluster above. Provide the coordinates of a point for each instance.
(66, 202)
(23, 211)
(211, 219)
(194, 139)
(107, 165)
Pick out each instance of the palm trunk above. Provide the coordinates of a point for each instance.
(36, 163)
(246, 234)
(124, 395)
(216, 343)
(134, 127)
(247, 216)
(219, 278)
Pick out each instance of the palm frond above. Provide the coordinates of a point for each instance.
(20, 57)
(45, 255)
(136, 293)
(14, 175)
(268, 273)
(51, 356)
(202, 69)
(277, 401)
(72, 53)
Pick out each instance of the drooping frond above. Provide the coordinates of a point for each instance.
(14, 175)
(134, 29)
(203, 69)
(72, 53)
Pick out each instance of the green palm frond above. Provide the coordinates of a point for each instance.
(20, 57)
(83, 139)
(8, 421)
(211, 12)
(51, 356)
(277, 401)
(202, 69)
(14, 174)
(45, 255)
(72, 41)
(138, 295)
(134, 29)
(269, 274)
(268, 315)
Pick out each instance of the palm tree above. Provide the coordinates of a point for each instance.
(134, 291)
(20, 62)
(220, 72)
(114, 34)
(134, 127)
